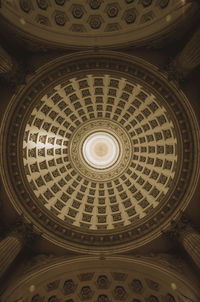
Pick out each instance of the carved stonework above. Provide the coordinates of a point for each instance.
(78, 11)
(60, 2)
(60, 18)
(95, 21)
(170, 298)
(43, 4)
(120, 293)
(136, 286)
(103, 282)
(69, 287)
(53, 299)
(25, 5)
(178, 228)
(86, 276)
(86, 293)
(23, 230)
(95, 4)
(37, 298)
(153, 285)
(119, 276)
(52, 285)
(17, 76)
(103, 298)
(175, 73)
(152, 298)
(36, 262)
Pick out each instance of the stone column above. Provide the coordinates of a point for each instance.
(190, 240)
(6, 63)
(189, 58)
(9, 249)
(20, 234)
(183, 233)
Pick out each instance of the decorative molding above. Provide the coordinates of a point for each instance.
(178, 227)
(17, 76)
(174, 72)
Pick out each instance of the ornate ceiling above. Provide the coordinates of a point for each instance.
(83, 195)
(99, 151)
(96, 23)
(106, 280)
(71, 202)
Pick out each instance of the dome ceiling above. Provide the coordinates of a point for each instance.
(85, 195)
(88, 23)
(108, 280)
(144, 126)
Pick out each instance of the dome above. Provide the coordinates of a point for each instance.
(94, 23)
(102, 280)
(106, 151)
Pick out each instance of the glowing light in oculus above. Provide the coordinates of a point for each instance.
(100, 150)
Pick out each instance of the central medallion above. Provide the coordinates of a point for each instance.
(100, 150)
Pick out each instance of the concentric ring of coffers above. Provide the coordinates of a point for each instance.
(76, 24)
(158, 136)
(111, 279)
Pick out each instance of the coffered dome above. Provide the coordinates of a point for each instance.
(74, 182)
(96, 23)
(102, 280)
(106, 151)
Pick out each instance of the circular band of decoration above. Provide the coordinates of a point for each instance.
(148, 181)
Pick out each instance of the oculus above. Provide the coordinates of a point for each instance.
(100, 150)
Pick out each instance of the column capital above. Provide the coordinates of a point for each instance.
(177, 228)
(23, 230)
(14, 72)
(174, 72)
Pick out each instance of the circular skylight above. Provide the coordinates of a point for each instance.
(100, 150)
